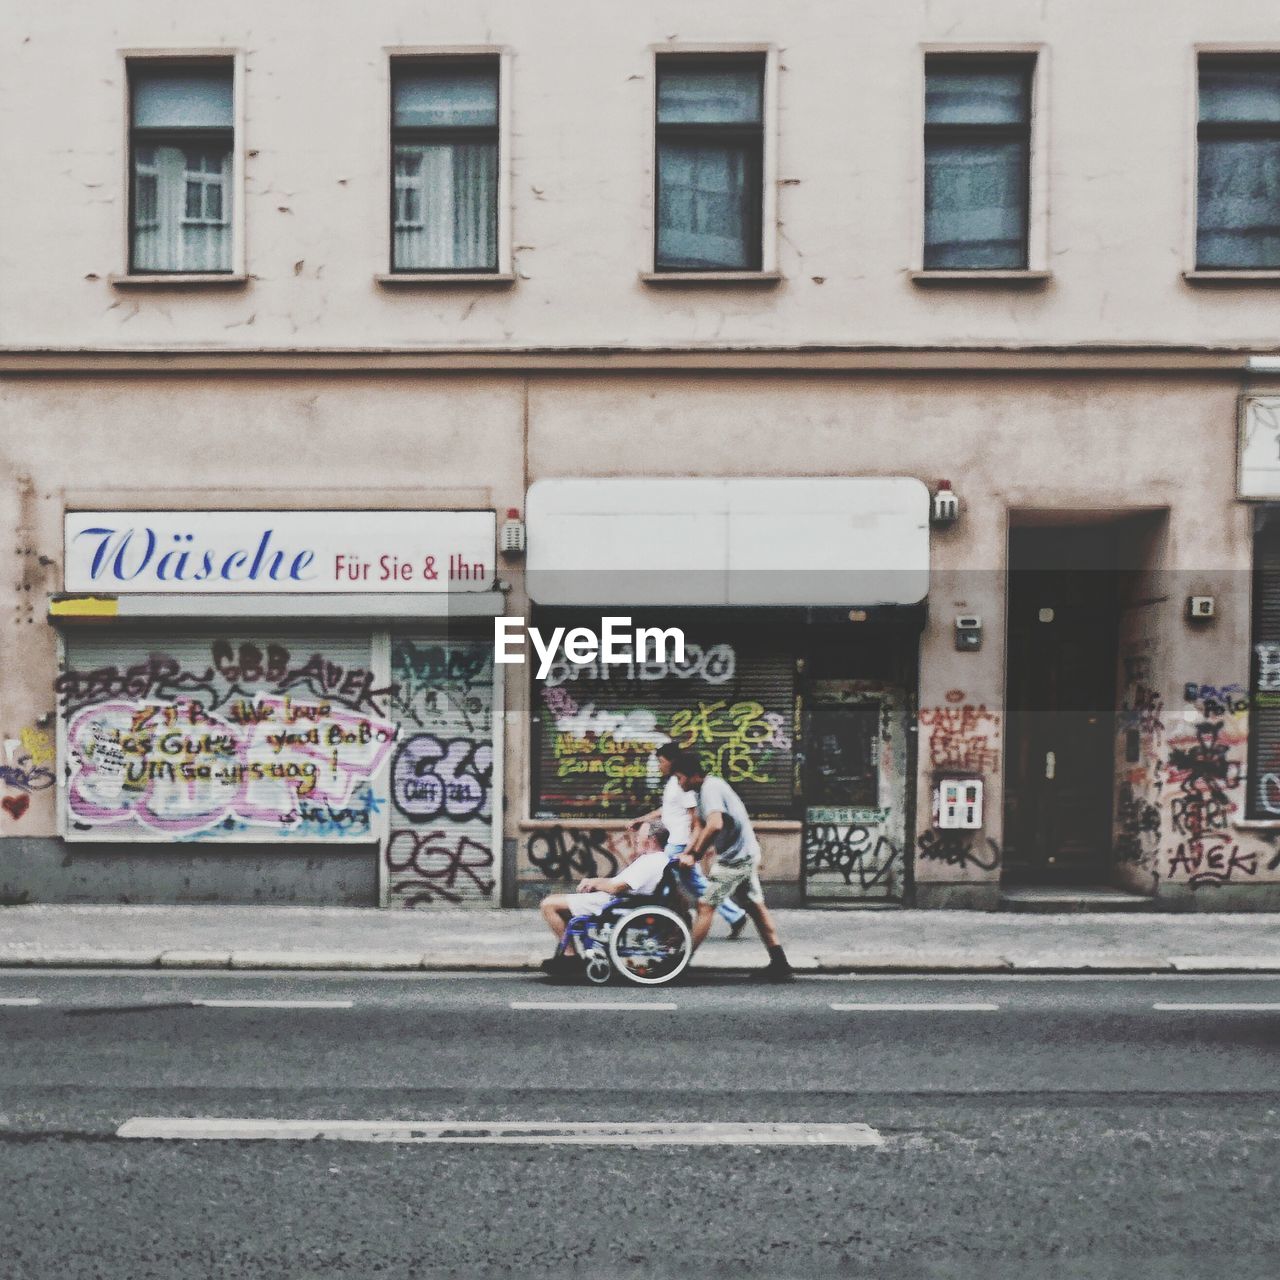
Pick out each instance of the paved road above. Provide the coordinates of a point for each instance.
(1028, 1128)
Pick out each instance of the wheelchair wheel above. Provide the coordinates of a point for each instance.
(649, 945)
(598, 970)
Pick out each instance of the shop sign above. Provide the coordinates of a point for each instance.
(781, 540)
(1260, 447)
(205, 552)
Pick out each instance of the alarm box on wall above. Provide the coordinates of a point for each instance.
(959, 804)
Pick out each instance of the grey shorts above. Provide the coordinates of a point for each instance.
(724, 882)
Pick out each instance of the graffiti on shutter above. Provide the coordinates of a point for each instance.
(596, 728)
(440, 851)
(222, 739)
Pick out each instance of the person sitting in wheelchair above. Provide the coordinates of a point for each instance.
(641, 876)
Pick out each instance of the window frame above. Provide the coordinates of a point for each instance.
(502, 272)
(221, 59)
(1035, 270)
(765, 229)
(1222, 53)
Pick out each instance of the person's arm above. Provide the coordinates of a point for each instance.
(651, 816)
(602, 884)
(702, 845)
(695, 824)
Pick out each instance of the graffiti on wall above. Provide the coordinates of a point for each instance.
(569, 854)
(25, 769)
(1140, 730)
(176, 768)
(961, 736)
(854, 845)
(958, 848)
(1203, 778)
(440, 851)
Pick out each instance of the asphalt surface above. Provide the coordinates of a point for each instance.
(1074, 1129)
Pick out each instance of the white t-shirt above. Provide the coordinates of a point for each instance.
(640, 876)
(677, 806)
(643, 874)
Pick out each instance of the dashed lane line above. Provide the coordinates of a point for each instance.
(10, 1002)
(628, 1005)
(913, 1006)
(272, 1004)
(1237, 1006)
(504, 1133)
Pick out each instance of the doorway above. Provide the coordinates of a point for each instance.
(1064, 589)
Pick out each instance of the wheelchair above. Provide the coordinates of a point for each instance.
(639, 938)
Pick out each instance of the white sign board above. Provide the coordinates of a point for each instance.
(831, 540)
(208, 552)
(1260, 447)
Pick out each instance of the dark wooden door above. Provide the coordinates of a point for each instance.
(1060, 740)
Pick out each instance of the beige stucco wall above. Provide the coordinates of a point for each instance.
(1117, 154)
(1009, 443)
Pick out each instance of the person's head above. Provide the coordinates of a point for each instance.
(687, 766)
(666, 758)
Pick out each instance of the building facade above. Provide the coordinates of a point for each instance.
(323, 346)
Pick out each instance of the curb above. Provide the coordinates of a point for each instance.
(481, 962)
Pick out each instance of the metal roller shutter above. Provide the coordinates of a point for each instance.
(445, 816)
(229, 737)
(733, 700)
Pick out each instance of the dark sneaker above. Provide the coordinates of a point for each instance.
(773, 973)
(736, 928)
(560, 965)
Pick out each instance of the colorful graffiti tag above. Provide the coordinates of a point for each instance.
(961, 736)
(598, 727)
(177, 769)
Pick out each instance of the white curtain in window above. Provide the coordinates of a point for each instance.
(975, 212)
(446, 200)
(181, 209)
(1238, 204)
(702, 219)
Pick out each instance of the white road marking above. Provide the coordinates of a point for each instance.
(593, 1004)
(272, 1004)
(913, 1006)
(9, 1001)
(1218, 1007)
(504, 1133)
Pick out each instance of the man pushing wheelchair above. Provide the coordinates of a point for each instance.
(636, 924)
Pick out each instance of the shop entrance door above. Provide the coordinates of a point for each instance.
(1060, 741)
(854, 779)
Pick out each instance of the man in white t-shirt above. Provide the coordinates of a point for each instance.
(678, 814)
(640, 875)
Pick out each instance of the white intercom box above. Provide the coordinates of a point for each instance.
(960, 804)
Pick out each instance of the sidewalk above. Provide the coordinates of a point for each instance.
(817, 941)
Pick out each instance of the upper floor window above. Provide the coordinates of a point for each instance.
(709, 187)
(181, 141)
(1238, 178)
(444, 144)
(977, 162)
